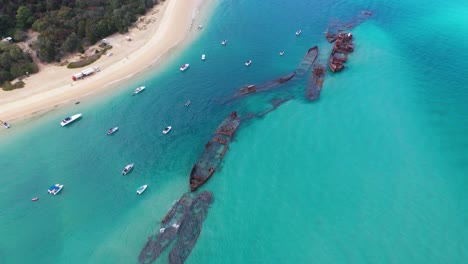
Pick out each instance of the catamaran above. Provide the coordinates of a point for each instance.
(70, 119)
(127, 169)
(56, 188)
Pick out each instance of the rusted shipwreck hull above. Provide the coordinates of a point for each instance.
(214, 152)
(315, 82)
(307, 61)
(343, 46)
(180, 227)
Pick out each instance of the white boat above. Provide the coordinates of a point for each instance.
(141, 189)
(224, 42)
(200, 26)
(70, 119)
(56, 188)
(112, 130)
(138, 90)
(187, 103)
(203, 56)
(298, 32)
(247, 63)
(127, 169)
(167, 129)
(183, 67)
(6, 125)
(282, 53)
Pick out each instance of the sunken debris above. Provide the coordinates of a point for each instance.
(182, 224)
(335, 26)
(315, 82)
(215, 149)
(339, 55)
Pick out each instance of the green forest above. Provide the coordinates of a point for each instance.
(64, 26)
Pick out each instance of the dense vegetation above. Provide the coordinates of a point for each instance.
(14, 62)
(66, 26)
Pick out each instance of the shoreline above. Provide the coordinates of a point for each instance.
(153, 38)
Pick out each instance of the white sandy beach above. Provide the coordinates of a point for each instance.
(160, 31)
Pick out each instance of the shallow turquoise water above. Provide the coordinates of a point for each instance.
(375, 171)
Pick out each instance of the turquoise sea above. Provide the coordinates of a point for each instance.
(375, 171)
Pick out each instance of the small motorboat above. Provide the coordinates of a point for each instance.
(141, 189)
(127, 169)
(298, 32)
(70, 119)
(112, 130)
(282, 53)
(224, 42)
(138, 90)
(247, 63)
(167, 129)
(183, 67)
(187, 103)
(6, 125)
(200, 26)
(54, 189)
(35, 199)
(203, 57)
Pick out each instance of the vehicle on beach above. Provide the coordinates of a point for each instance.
(247, 63)
(224, 42)
(127, 169)
(70, 119)
(138, 90)
(141, 189)
(166, 130)
(112, 130)
(183, 67)
(298, 32)
(54, 189)
(203, 56)
(187, 103)
(282, 53)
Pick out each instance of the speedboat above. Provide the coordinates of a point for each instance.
(247, 63)
(127, 169)
(54, 189)
(224, 42)
(183, 67)
(112, 130)
(139, 89)
(70, 119)
(298, 32)
(187, 103)
(35, 199)
(141, 189)
(203, 56)
(282, 53)
(6, 125)
(167, 129)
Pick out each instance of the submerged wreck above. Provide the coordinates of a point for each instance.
(210, 160)
(315, 82)
(307, 61)
(182, 226)
(343, 46)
